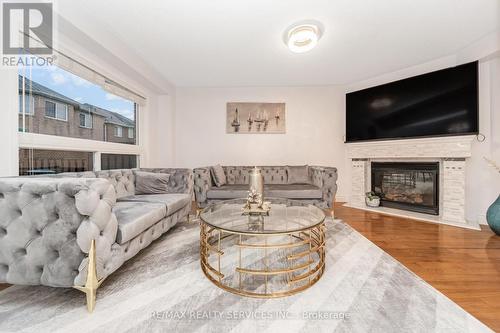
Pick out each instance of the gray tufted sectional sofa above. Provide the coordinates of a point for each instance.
(320, 189)
(47, 224)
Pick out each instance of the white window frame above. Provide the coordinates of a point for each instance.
(29, 102)
(130, 133)
(56, 111)
(88, 120)
(118, 131)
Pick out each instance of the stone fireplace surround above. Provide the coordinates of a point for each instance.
(451, 153)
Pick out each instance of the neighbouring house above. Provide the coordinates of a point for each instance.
(117, 128)
(49, 112)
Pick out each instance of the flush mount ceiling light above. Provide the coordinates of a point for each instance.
(303, 36)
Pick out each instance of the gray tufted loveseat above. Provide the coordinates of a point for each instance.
(320, 189)
(47, 224)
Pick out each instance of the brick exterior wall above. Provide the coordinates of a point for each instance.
(39, 123)
(110, 135)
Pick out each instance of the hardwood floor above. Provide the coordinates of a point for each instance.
(462, 264)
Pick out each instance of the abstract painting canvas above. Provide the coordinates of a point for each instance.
(256, 118)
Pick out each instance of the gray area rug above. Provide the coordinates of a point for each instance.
(163, 289)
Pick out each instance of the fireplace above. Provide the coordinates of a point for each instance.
(407, 185)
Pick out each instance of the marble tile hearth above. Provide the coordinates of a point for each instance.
(450, 152)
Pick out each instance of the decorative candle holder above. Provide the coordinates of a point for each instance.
(256, 182)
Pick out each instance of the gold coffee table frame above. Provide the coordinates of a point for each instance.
(299, 276)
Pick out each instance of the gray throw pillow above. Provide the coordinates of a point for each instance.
(218, 175)
(298, 174)
(151, 182)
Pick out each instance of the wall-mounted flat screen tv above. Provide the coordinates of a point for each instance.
(440, 103)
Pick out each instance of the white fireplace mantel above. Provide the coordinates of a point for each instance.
(450, 152)
(444, 147)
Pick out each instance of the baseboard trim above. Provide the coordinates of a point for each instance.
(341, 198)
(481, 219)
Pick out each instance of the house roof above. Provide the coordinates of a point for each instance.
(38, 89)
(110, 116)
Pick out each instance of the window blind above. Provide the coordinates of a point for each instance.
(77, 68)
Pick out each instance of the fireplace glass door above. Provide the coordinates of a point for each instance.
(409, 186)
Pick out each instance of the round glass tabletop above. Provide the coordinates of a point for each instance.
(285, 216)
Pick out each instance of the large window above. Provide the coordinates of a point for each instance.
(71, 106)
(71, 100)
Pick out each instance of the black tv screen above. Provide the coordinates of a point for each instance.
(440, 103)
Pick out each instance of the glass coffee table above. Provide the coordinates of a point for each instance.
(264, 256)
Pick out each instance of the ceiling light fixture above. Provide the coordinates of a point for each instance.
(303, 36)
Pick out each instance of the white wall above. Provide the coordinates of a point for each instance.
(9, 124)
(483, 181)
(161, 132)
(314, 128)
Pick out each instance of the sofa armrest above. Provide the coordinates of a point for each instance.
(95, 202)
(46, 228)
(326, 179)
(202, 183)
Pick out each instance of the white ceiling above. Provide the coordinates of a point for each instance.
(239, 42)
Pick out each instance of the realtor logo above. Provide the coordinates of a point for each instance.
(27, 28)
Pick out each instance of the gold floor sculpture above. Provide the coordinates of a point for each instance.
(92, 282)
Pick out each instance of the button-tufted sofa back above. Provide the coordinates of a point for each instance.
(274, 174)
(240, 174)
(181, 180)
(83, 174)
(123, 180)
